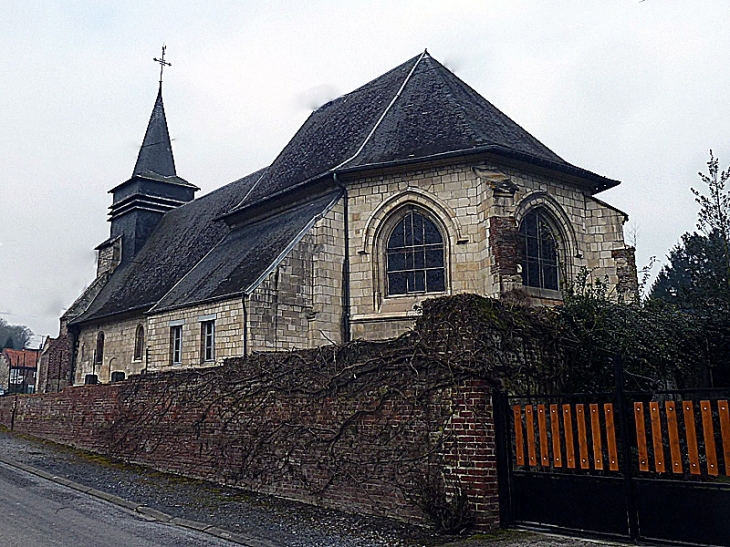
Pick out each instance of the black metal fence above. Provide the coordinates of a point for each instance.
(637, 465)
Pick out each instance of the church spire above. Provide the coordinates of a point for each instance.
(140, 202)
(155, 155)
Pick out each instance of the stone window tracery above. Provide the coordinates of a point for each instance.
(415, 261)
(540, 250)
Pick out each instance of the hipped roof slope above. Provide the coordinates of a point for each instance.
(418, 110)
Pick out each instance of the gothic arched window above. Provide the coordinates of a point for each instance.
(539, 250)
(415, 257)
(139, 343)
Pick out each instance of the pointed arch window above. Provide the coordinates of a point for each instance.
(138, 343)
(415, 256)
(540, 246)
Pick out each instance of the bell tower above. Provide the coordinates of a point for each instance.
(139, 203)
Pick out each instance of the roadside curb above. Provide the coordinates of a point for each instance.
(145, 511)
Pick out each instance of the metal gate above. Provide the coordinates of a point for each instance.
(642, 466)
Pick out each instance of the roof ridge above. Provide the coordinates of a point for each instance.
(385, 112)
(242, 203)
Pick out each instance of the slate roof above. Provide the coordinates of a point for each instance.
(246, 255)
(155, 155)
(416, 111)
(181, 239)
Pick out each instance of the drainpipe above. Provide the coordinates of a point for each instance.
(245, 325)
(346, 334)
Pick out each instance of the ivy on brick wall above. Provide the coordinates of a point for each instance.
(567, 348)
(335, 423)
(351, 424)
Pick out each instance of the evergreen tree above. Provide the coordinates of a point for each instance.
(696, 281)
(9, 344)
(696, 273)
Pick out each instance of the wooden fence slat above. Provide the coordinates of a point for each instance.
(641, 436)
(673, 431)
(708, 432)
(580, 418)
(691, 435)
(530, 423)
(568, 428)
(657, 437)
(724, 412)
(555, 429)
(519, 440)
(611, 437)
(542, 428)
(596, 434)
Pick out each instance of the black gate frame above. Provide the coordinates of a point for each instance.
(621, 506)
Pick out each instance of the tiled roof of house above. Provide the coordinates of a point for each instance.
(419, 110)
(25, 358)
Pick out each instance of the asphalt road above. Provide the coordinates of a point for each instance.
(35, 512)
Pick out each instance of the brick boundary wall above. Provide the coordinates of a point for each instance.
(97, 418)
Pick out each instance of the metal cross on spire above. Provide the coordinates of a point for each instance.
(162, 62)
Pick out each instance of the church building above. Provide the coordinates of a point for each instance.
(412, 186)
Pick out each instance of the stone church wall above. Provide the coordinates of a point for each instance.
(458, 201)
(479, 222)
(299, 304)
(118, 352)
(597, 227)
(229, 318)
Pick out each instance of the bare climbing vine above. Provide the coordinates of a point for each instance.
(361, 414)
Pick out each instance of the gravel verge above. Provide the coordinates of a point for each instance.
(270, 519)
(280, 521)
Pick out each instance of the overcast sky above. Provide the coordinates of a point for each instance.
(636, 91)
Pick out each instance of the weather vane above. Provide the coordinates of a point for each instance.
(162, 62)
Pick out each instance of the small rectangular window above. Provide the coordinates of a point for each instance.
(207, 336)
(176, 344)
